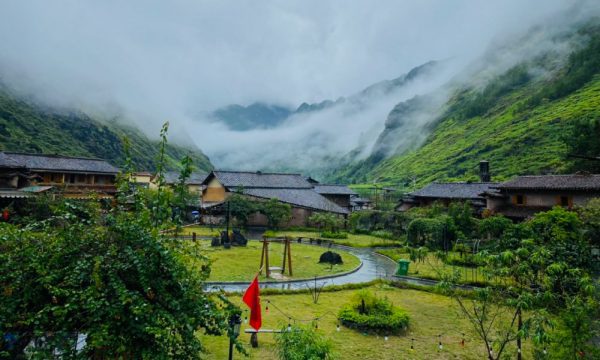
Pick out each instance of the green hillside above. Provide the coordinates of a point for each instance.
(521, 123)
(25, 127)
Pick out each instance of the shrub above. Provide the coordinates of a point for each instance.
(302, 343)
(331, 257)
(334, 235)
(383, 234)
(370, 313)
(270, 234)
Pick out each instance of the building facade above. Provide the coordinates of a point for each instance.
(524, 196)
(292, 189)
(72, 177)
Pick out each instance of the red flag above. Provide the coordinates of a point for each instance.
(251, 298)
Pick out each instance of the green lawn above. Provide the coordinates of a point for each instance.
(433, 268)
(354, 240)
(201, 230)
(430, 316)
(241, 263)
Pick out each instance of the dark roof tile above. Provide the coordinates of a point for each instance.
(459, 190)
(553, 182)
(300, 197)
(235, 179)
(334, 189)
(41, 162)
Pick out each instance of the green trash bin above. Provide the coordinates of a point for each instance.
(402, 267)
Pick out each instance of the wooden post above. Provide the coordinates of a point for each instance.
(285, 249)
(289, 251)
(266, 247)
(194, 236)
(262, 257)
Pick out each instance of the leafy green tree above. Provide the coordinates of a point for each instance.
(241, 207)
(303, 343)
(181, 197)
(276, 212)
(113, 278)
(561, 232)
(590, 216)
(326, 221)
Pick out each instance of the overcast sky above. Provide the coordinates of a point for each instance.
(159, 60)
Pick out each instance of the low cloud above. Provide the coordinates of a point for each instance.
(150, 61)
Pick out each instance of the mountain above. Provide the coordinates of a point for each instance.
(28, 127)
(528, 119)
(263, 116)
(254, 116)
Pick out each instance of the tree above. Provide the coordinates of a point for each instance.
(302, 343)
(241, 207)
(113, 279)
(325, 221)
(181, 192)
(590, 217)
(276, 212)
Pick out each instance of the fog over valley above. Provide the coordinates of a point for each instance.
(295, 85)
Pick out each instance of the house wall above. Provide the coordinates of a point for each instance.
(341, 200)
(549, 198)
(214, 192)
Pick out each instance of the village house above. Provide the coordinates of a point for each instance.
(72, 177)
(339, 194)
(446, 193)
(524, 196)
(291, 189)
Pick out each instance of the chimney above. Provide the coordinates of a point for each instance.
(484, 171)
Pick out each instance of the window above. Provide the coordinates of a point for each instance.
(565, 201)
(519, 199)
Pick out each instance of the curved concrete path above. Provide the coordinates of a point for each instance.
(374, 266)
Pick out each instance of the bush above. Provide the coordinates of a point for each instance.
(330, 257)
(334, 235)
(302, 343)
(370, 313)
(270, 234)
(383, 234)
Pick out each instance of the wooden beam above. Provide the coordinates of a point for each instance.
(289, 249)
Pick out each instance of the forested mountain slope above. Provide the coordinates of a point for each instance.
(26, 127)
(528, 120)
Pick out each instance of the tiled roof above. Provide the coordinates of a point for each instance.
(553, 182)
(301, 197)
(459, 190)
(235, 179)
(41, 162)
(196, 178)
(7, 161)
(333, 189)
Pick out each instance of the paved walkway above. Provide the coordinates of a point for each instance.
(374, 266)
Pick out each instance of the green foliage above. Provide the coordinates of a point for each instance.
(582, 65)
(326, 221)
(368, 312)
(26, 127)
(241, 207)
(334, 235)
(521, 126)
(303, 343)
(369, 221)
(109, 275)
(276, 212)
(590, 216)
(561, 232)
(426, 232)
(478, 103)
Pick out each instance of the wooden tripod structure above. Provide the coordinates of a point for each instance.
(287, 255)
